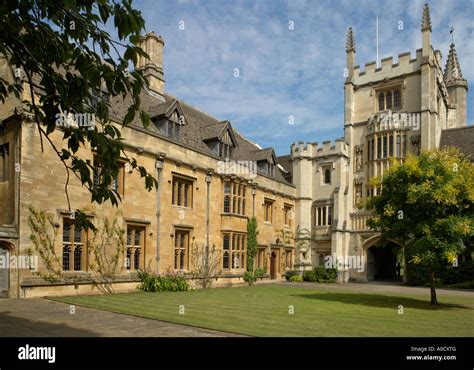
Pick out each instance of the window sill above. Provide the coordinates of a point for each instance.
(233, 215)
(182, 207)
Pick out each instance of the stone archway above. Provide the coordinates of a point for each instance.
(382, 260)
(5, 250)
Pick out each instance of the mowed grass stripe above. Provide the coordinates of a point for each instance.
(263, 310)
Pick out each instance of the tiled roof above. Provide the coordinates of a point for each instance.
(285, 162)
(462, 137)
(198, 128)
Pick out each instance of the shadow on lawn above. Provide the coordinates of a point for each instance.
(379, 300)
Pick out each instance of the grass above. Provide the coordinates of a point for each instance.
(263, 310)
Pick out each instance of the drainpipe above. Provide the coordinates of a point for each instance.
(208, 205)
(159, 169)
(17, 160)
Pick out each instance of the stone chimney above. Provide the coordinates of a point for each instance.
(152, 68)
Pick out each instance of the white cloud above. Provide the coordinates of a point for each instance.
(288, 72)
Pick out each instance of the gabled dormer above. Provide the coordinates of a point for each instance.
(266, 161)
(220, 138)
(168, 118)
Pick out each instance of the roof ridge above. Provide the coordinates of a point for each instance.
(193, 107)
(246, 139)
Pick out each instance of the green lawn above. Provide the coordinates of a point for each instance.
(263, 310)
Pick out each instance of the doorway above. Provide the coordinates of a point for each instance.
(382, 262)
(273, 260)
(4, 271)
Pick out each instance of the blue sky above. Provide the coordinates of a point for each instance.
(284, 72)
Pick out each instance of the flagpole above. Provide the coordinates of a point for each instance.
(377, 37)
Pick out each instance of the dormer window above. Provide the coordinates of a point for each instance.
(221, 149)
(225, 150)
(169, 119)
(389, 99)
(169, 128)
(266, 167)
(220, 139)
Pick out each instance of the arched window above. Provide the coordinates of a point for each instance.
(381, 101)
(396, 100)
(327, 176)
(388, 100)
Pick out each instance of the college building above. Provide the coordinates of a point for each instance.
(211, 180)
(390, 110)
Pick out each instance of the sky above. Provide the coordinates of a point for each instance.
(275, 68)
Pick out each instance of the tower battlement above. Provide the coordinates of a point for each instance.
(388, 68)
(313, 150)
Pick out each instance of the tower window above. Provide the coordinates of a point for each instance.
(381, 101)
(396, 99)
(389, 99)
(327, 176)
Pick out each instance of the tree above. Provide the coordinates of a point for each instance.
(426, 205)
(252, 232)
(105, 248)
(106, 253)
(206, 263)
(60, 52)
(252, 274)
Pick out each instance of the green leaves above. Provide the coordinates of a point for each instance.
(433, 193)
(72, 65)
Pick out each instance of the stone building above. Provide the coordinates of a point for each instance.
(211, 180)
(389, 110)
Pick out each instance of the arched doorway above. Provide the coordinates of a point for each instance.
(384, 262)
(4, 270)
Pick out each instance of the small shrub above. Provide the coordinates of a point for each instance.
(321, 275)
(291, 273)
(325, 275)
(309, 276)
(259, 272)
(166, 283)
(251, 277)
(296, 279)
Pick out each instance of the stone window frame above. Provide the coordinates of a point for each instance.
(181, 249)
(287, 209)
(132, 249)
(392, 92)
(322, 213)
(235, 198)
(182, 197)
(117, 183)
(234, 248)
(73, 246)
(268, 210)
